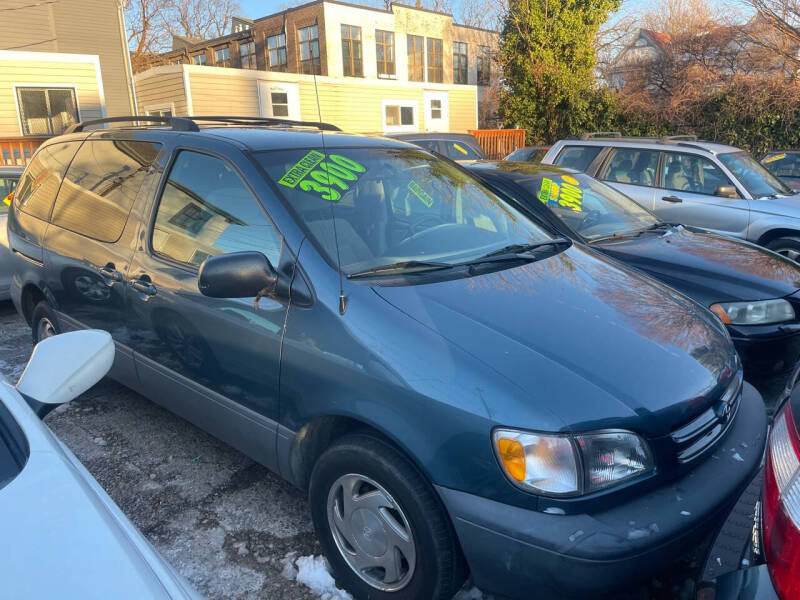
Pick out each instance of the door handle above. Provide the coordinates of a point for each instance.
(143, 286)
(110, 274)
(674, 199)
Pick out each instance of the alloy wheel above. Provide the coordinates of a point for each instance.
(371, 532)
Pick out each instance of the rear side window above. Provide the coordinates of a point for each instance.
(206, 209)
(39, 185)
(577, 157)
(101, 185)
(629, 165)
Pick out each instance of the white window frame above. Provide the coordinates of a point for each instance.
(59, 86)
(151, 108)
(413, 104)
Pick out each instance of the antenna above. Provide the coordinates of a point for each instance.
(342, 298)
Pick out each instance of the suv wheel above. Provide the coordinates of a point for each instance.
(786, 246)
(44, 323)
(380, 524)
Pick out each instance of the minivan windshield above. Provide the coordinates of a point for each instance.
(753, 176)
(394, 206)
(588, 207)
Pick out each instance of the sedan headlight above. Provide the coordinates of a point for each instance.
(570, 465)
(760, 312)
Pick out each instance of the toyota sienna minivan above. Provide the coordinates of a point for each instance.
(458, 389)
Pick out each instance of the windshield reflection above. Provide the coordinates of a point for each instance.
(753, 176)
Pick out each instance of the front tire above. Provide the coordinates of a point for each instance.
(44, 323)
(381, 525)
(786, 246)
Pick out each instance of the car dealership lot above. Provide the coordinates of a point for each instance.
(226, 523)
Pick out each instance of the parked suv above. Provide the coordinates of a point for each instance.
(454, 385)
(704, 184)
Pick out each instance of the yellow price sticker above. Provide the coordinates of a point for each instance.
(775, 157)
(459, 148)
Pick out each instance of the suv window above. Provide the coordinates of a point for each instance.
(101, 185)
(206, 209)
(39, 185)
(629, 165)
(691, 173)
(577, 157)
(454, 150)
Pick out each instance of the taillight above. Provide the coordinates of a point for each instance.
(781, 506)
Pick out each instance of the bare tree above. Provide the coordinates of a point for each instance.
(775, 30)
(201, 19)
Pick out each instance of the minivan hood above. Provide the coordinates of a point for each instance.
(707, 267)
(583, 338)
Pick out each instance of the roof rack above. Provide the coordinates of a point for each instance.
(177, 123)
(679, 138)
(190, 123)
(600, 134)
(264, 121)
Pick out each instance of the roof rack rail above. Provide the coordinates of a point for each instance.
(264, 121)
(177, 123)
(600, 134)
(688, 137)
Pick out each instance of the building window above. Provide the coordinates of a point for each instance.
(199, 59)
(280, 104)
(416, 58)
(46, 111)
(384, 51)
(459, 62)
(436, 109)
(309, 50)
(247, 55)
(483, 66)
(399, 115)
(222, 57)
(435, 70)
(276, 52)
(351, 51)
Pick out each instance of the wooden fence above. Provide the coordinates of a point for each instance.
(18, 151)
(499, 143)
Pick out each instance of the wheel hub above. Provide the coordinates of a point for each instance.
(369, 533)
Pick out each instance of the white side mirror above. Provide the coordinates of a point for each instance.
(64, 366)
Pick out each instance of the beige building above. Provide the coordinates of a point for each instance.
(401, 69)
(61, 62)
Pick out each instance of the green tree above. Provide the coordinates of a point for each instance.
(548, 58)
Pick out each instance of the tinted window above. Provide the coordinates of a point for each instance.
(39, 184)
(528, 154)
(101, 185)
(752, 175)
(589, 207)
(577, 157)
(628, 165)
(206, 209)
(7, 185)
(782, 164)
(393, 205)
(691, 173)
(452, 150)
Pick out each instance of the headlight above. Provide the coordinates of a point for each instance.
(564, 465)
(760, 312)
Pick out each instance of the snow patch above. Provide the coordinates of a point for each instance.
(312, 572)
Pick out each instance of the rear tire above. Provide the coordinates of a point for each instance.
(44, 323)
(786, 246)
(394, 519)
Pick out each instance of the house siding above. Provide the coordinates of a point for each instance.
(35, 73)
(160, 91)
(75, 26)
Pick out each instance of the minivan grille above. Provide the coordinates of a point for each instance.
(700, 434)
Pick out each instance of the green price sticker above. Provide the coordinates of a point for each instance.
(423, 196)
(326, 178)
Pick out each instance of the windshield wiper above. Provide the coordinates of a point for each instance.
(635, 232)
(518, 251)
(400, 267)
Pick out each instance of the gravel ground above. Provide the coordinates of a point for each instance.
(223, 521)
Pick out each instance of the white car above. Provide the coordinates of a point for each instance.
(62, 536)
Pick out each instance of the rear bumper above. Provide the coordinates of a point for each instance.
(513, 551)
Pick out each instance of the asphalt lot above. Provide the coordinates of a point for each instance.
(226, 523)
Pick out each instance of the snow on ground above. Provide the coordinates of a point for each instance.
(312, 572)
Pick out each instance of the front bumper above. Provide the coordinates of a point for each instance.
(516, 552)
(767, 349)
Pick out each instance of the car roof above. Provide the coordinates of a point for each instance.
(271, 138)
(11, 170)
(516, 170)
(432, 136)
(652, 143)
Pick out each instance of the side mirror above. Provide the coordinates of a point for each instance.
(64, 366)
(726, 191)
(236, 275)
